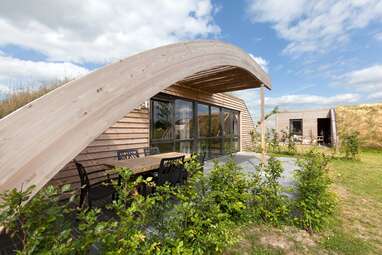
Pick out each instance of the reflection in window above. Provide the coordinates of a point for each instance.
(228, 145)
(215, 148)
(215, 121)
(227, 122)
(236, 131)
(203, 120)
(173, 122)
(162, 120)
(203, 146)
(183, 119)
(164, 147)
(184, 146)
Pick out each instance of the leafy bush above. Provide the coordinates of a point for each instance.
(269, 204)
(351, 145)
(199, 217)
(315, 203)
(42, 225)
(273, 141)
(290, 142)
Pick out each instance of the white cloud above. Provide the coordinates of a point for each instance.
(15, 73)
(377, 95)
(378, 36)
(261, 61)
(101, 31)
(315, 25)
(312, 99)
(367, 79)
(4, 89)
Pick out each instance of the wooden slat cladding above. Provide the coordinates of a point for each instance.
(132, 132)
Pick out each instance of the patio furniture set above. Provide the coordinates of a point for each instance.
(162, 167)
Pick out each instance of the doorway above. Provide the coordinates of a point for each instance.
(324, 130)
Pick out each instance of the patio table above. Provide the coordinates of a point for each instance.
(143, 164)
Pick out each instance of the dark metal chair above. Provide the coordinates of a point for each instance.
(101, 189)
(127, 154)
(171, 170)
(151, 151)
(201, 157)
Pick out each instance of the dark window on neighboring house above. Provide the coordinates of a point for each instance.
(295, 126)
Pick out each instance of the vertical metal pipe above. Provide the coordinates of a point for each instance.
(333, 128)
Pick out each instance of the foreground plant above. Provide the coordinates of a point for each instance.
(351, 145)
(41, 225)
(270, 203)
(200, 217)
(314, 204)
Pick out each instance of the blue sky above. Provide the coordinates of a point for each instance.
(318, 53)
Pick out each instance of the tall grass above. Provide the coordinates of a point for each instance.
(19, 98)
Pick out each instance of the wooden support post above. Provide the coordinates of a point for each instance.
(262, 124)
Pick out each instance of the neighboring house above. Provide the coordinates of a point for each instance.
(172, 97)
(308, 126)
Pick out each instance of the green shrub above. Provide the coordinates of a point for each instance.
(269, 203)
(273, 141)
(208, 208)
(350, 145)
(199, 217)
(314, 204)
(229, 188)
(41, 226)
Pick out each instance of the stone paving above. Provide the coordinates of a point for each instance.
(249, 160)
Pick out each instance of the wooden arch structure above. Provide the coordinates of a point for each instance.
(37, 140)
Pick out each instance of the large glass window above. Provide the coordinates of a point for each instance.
(236, 127)
(164, 147)
(183, 119)
(228, 122)
(184, 146)
(203, 120)
(215, 121)
(215, 148)
(162, 120)
(189, 126)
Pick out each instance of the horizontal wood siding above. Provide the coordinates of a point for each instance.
(132, 132)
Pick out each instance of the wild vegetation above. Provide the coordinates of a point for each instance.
(18, 98)
(200, 217)
(354, 227)
(365, 119)
(350, 144)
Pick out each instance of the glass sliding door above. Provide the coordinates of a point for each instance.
(162, 115)
(184, 146)
(216, 129)
(189, 126)
(183, 119)
(203, 120)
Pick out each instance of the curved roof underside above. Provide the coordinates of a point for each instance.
(39, 139)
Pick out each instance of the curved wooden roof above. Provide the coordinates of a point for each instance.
(37, 140)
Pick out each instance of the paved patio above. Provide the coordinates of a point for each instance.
(249, 160)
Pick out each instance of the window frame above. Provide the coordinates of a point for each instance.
(195, 138)
(291, 125)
